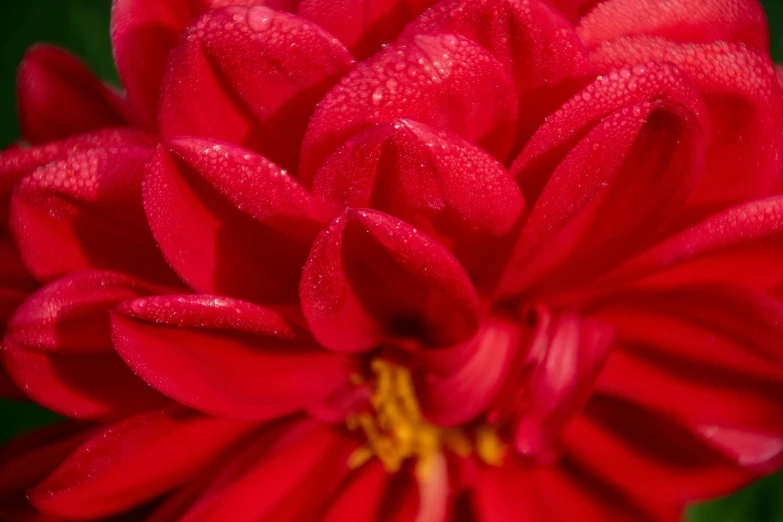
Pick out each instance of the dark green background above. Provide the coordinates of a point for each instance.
(82, 27)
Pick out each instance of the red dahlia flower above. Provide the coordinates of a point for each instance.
(483, 260)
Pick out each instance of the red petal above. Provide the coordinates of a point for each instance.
(361, 500)
(229, 221)
(575, 9)
(58, 97)
(86, 212)
(456, 384)
(31, 457)
(551, 382)
(746, 111)
(370, 276)
(518, 492)
(296, 480)
(17, 162)
(226, 357)
(27, 460)
(251, 76)
(143, 32)
(436, 181)
(628, 174)
(609, 93)
(363, 25)
(103, 477)
(445, 81)
(16, 283)
(651, 455)
(9, 390)
(58, 348)
(742, 244)
(537, 45)
(718, 361)
(701, 21)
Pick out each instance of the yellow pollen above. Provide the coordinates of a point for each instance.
(396, 430)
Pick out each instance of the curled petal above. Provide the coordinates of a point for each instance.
(58, 97)
(251, 76)
(58, 348)
(445, 81)
(17, 162)
(370, 276)
(362, 25)
(607, 94)
(704, 21)
(143, 32)
(550, 384)
(608, 188)
(537, 45)
(745, 110)
(103, 477)
(226, 357)
(742, 244)
(456, 384)
(435, 181)
(230, 222)
(310, 462)
(85, 212)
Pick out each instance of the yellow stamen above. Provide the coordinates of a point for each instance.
(489, 447)
(397, 430)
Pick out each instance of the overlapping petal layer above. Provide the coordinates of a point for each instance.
(524, 254)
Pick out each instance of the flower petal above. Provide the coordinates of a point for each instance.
(311, 465)
(370, 276)
(86, 212)
(230, 222)
(575, 9)
(16, 283)
(143, 32)
(652, 457)
(701, 21)
(58, 97)
(58, 348)
(537, 45)
(251, 76)
(362, 499)
(445, 81)
(455, 384)
(554, 494)
(451, 190)
(551, 382)
(226, 357)
(17, 162)
(103, 477)
(729, 376)
(27, 460)
(630, 173)
(362, 25)
(742, 244)
(746, 111)
(607, 94)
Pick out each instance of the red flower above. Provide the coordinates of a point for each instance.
(521, 261)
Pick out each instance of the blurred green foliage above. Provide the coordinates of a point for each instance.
(81, 26)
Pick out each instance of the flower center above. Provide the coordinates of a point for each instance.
(396, 430)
